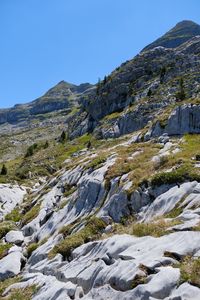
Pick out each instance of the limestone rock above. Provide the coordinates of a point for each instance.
(15, 237)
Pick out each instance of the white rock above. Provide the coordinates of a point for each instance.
(15, 237)
(10, 196)
(10, 265)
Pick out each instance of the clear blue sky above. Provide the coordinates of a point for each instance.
(46, 41)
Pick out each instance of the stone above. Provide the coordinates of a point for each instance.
(14, 237)
(11, 264)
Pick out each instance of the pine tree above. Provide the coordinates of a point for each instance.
(180, 95)
(62, 137)
(4, 170)
(149, 93)
(162, 74)
(98, 86)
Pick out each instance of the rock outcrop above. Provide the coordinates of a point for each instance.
(184, 119)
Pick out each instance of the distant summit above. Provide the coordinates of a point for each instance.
(182, 32)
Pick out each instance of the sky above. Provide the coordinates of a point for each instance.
(46, 41)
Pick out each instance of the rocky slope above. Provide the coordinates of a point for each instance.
(112, 209)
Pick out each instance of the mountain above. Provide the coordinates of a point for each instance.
(62, 96)
(182, 32)
(100, 199)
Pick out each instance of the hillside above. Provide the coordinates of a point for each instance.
(100, 185)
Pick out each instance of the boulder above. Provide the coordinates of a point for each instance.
(11, 264)
(15, 237)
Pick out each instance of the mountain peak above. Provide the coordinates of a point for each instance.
(179, 34)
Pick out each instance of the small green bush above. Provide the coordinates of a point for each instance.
(22, 172)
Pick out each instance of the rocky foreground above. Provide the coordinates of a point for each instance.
(69, 246)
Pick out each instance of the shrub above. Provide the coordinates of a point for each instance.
(22, 172)
(31, 149)
(190, 270)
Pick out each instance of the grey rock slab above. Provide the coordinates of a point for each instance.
(167, 201)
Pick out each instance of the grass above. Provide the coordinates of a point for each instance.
(112, 116)
(6, 283)
(5, 227)
(138, 279)
(31, 214)
(4, 249)
(197, 227)
(182, 174)
(69, 191)
(156, 229)
(174, 212)
(91, 231)
(190, 270)
(22, 293)
(14, 215)
(32, 247)
(138, 167)
(97, 162)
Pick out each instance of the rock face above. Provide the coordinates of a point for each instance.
(184, 119)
